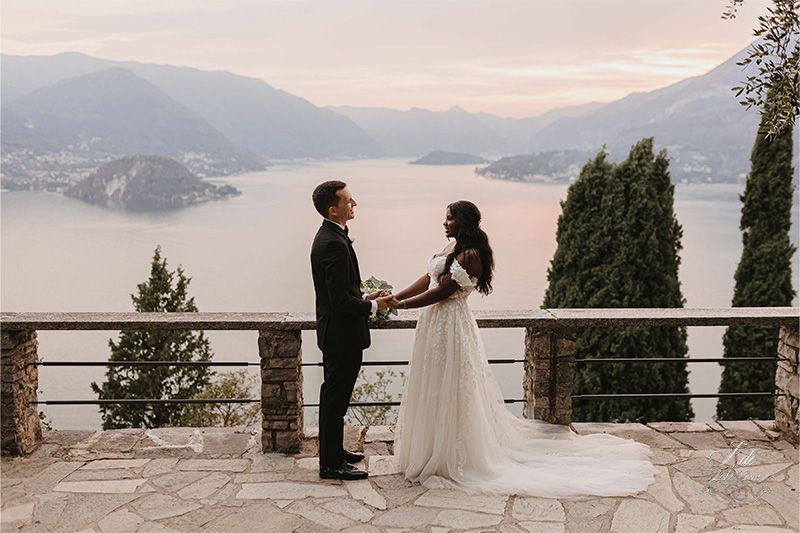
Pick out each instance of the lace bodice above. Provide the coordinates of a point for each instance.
(457, 272)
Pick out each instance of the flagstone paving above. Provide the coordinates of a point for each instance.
(217, 479)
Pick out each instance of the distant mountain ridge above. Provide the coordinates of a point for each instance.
(243, 123)
(418, 131)
(707, 133)
(256, 117)
(113, 112)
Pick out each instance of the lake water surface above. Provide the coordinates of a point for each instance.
(251, 253)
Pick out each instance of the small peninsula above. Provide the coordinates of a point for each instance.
(440, 157)
(558, 166)
(147, 183)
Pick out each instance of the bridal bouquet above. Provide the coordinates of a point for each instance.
(374, 284)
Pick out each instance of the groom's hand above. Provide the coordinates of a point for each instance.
(383, 301)
(376, 294)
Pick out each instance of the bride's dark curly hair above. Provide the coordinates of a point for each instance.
(469, 236)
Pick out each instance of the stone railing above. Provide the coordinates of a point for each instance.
(787, 415)
(21, 430)
(548, 361)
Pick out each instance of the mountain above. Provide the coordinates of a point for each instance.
(439, 157)
(24, 74)
(146, 183)
(264, 120)
(519, 134)
(113, 112)
(18, 134)
(707, 133)
(418, 131)
(256, 117)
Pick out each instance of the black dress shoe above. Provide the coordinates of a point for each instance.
(352, 457)
(344, 472)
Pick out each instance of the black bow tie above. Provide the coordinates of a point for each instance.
(346, 230)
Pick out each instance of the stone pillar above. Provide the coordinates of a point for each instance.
(549, 366)
(19, 418)
(281, 390)
(787, 416)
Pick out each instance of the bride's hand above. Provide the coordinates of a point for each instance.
(394, 303)
(377, 294)
(384, 302)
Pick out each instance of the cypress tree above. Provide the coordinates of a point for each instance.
(164, 291)
(763, 277)
(618, 243)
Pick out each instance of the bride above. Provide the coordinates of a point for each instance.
(454, 431)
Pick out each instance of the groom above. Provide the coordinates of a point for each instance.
(342, 329)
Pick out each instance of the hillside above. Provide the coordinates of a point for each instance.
(255, 116)
(102, 115)
(146, 183)
(440, 157)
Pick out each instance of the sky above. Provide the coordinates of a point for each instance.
(507, 57)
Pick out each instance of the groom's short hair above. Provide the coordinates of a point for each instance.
(324, 196)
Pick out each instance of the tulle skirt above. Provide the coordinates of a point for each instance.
(454, 430)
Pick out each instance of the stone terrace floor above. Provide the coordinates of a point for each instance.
(215, 479)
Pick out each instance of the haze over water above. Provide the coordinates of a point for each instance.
(251, 253)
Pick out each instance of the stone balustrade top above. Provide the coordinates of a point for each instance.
(542, 318)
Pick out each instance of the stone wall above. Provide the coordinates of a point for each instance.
(281, 390)
(787, 382)
(21, 428)
(549, 369)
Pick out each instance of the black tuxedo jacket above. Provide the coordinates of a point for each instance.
(342, 314)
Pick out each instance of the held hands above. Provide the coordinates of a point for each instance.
(386, 301)
(378, 291)
(394, 303)
(377, 294)
(383, 301)
(382, 297)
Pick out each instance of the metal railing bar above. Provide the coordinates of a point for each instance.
(146, 363)
(673, 395)
(400, 363)
(123, 401)
(360, 404)
(381, 404)
(225, 363)
(670, 359)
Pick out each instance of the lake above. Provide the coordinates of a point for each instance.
(251, 253)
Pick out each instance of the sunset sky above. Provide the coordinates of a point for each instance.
(508, 57)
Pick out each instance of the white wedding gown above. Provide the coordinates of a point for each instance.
(454, 431)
